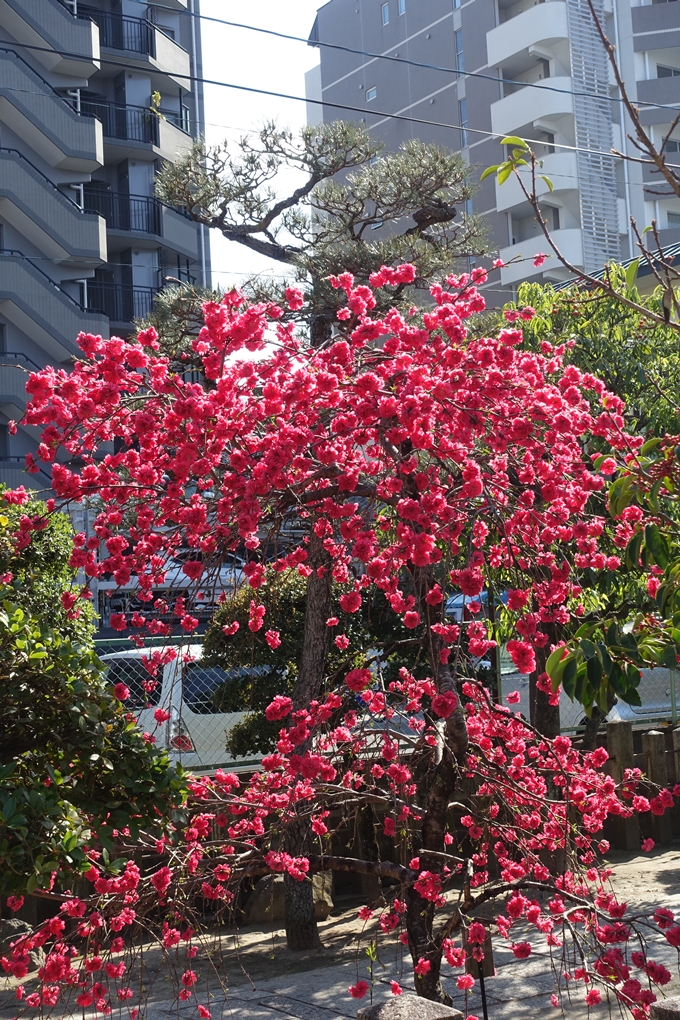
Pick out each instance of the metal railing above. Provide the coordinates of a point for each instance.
(15, 154)
(13, 253)
(18, 356)
(14, 462)
(120, 32)
(126, 212)
(119, 120)
(120, 302)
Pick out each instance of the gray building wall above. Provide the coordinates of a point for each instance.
(514, 50)
(84, 243)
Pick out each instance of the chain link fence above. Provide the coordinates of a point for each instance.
(178, 707)
(657, 693)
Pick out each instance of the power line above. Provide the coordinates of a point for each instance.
(375, 113)
(341, 106)
(399, 60)
(127, 265)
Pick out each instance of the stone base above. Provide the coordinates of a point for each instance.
(413, 1007)
(267, 900)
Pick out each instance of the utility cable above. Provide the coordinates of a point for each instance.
(378, 114)
(602, 97)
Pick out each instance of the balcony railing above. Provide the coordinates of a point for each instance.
(10, 356)
(14, 254)
(131, 123)
(119, 32)
(18, 465)
(126, 212)
(120, 302)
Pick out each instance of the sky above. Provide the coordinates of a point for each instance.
(250, 58)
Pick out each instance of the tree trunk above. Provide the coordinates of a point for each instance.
(544, 716)
(590, 730)
(369, 850)
(301, 928)
(437, 784)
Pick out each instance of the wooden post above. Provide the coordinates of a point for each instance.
(626, 831)
(654, 746)
(676, 750)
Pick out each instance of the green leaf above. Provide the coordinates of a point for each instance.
(631, 273)
(515, 140)
(548, 182)
(554, 659)
(669, 657)
(650, 445)
(70, 841)
(632, 554)
(489, 170)
(594, 671)
(569, 678)
(588, 648)
(504, 173)
(631, 697)
(620, 495)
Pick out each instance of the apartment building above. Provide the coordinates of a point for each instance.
(482, 69)
(94, 98)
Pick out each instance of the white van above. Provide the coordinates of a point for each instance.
(655, 694)
(195, 733)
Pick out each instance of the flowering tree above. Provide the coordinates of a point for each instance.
(410, 460)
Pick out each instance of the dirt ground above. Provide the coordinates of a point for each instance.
(254, 958)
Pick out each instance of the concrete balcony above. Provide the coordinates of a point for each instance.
(13, 378)
(179, 233)
(173, 59)
(147, 218)
(172, 141)
(14, 474)
(568, 241)
(129, 129)
(560, 167)
(45, 216)
(542, 26)
(139, 43)
(31, 107)
(538, 102)
(39, 308)
(63, 43)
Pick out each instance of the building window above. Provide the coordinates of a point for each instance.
(458, 42)
(462, 117)
(456, 4)
(667, 72)
(385, 14)
(673, 219)
(402, 7)
(551, 214)
(371, 94)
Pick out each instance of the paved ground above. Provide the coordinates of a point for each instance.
(264, 981)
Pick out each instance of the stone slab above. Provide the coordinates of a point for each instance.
(409, 1007)
(666, 1009)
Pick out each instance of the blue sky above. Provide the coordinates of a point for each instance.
(249, 58)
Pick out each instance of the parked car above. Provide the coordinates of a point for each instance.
(201, 599)
(457, 606)
(654, 690)
(196, 731)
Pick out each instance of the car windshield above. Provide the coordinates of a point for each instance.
(133, 673)
(201, 685)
